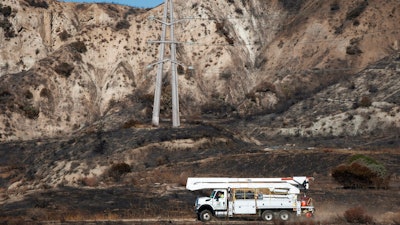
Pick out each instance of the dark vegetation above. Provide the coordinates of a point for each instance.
(353, 48)
(218, 108)
(5, 10)
(365, 102)
(123, 24)
(223, 30)
(225, 75)
(335, 7)
(38, 3)
(64, 35)
(292, 5)
(358, 215)
(5, 24)
(118, 169)
(45, 92)
(5, 95)
(356, 12)
(239, 11)
(131, 123)
(30, 111)
(352, 15)
(78, 46)
(64, 69)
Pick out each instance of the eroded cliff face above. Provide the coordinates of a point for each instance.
(65, 64)
(69, 67)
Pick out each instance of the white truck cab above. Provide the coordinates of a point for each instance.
(267, 198)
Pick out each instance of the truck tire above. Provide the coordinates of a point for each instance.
(205, 215)
(267, 215)
(284, 215)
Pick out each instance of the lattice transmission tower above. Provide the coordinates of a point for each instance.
(167, 22)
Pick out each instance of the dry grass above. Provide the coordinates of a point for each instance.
(90, 181)
(79, 216)
(357, 215)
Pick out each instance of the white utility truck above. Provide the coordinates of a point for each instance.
(268, 198)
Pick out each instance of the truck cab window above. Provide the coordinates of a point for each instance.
(212, 194)
(219, 194)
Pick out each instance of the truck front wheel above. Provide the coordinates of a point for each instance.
(205, 215)
(267, 215)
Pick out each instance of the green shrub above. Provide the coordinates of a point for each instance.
(371, 163)
(361, 171)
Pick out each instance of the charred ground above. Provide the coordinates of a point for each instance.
(153, 187)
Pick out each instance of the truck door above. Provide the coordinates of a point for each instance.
(220, 200)
(244, 202)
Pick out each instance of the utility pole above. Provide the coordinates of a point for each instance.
(168, 21)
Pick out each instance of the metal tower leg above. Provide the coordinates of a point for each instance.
(157, 92)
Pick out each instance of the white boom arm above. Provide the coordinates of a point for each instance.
(288, 184)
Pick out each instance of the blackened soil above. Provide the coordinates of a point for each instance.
(156, 190)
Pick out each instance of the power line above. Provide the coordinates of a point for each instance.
(284, 72)
(259, 43)
(270, 15)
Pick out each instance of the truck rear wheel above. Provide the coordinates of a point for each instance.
(284, 215)
(205, 215)
(267, 215)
